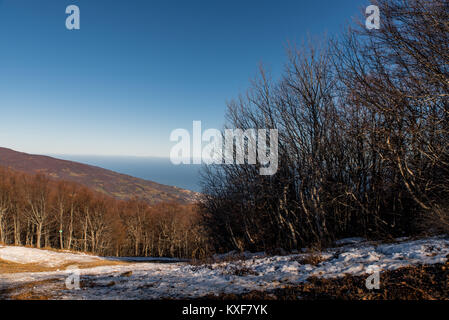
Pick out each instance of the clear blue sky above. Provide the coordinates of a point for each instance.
(139, 69)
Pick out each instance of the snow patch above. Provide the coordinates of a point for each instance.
(258, 272)
(45, 258)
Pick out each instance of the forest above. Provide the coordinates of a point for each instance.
(40, 212)
(363, 120)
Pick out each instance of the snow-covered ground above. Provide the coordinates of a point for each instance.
(48, 258)
(257, 272)
(45, 258)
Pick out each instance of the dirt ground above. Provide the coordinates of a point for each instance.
(427, 282)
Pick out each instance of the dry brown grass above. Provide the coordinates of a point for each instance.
(32, 290)
(12, 267)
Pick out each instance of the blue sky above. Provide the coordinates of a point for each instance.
(136, 70)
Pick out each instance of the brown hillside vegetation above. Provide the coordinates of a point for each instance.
(113, 184)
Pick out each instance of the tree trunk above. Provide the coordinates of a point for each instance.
(38, 235)
(16, 231)
(2, 235)
(61, 243)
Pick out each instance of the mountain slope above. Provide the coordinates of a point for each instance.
(119, 186)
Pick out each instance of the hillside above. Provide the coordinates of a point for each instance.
(119, 186)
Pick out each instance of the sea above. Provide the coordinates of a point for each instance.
(159, 170)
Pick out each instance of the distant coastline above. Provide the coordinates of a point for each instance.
(160, 170)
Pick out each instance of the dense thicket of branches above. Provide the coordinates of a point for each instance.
(363, 139)
(34, 209)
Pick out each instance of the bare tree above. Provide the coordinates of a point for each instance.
(37, 195)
